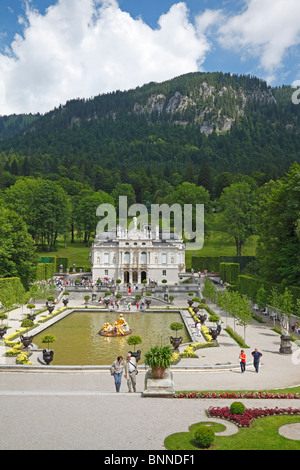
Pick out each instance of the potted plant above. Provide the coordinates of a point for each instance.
(31, 315)
(86, 299)
(133, 340)
(159, 359)
(47, 353)
(65, 299)
(176, 342)
(148, 300)
(171, 298)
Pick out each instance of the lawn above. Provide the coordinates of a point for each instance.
(263, 435)
(77, 253)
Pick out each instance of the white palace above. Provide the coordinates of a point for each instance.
(133, 255)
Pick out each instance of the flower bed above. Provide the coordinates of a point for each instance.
(245, 419)
(258, 395)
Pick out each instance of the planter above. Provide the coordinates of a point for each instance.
(148, 302)
(190, 302)
(65, 302)
(202, 318)
(48, 356)
(26, 340)
(50, 309)
(176, 342)
(3, 330)
(31, 316)
(196, 310)
(136, 354)
(158, 372)
(214, 333)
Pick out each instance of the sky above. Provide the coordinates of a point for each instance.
(52, 51)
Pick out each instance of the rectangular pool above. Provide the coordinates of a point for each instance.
(78, 342)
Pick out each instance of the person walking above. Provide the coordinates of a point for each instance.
(130, 372)
(117, 371)
(198, 327)
(242, 358)
(256, 359)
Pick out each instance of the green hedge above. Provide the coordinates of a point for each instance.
(64, 262)
(249, 285)
(212, 263)
(229, 272)
(11, 291)
(45, 271)
(12, 283)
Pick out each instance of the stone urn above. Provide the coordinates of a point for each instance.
(48, 356)
(3, 330)
(50, 308)
(107, 302)
(196, 310)
(136, 354)
(214, 333)
(31, 316)
(176, 342)
(190, 303)
(26, 340)
(148, 302)
(202, 318)
(65, 302)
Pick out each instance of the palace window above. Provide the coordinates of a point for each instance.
(126, 257)
(144, 257)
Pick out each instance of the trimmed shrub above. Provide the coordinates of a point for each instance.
(237, 408)
(204, 436)
(26, 323)
(229, 272)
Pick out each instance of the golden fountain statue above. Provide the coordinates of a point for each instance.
(119, 328)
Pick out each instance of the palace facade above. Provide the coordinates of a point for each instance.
(138, 254)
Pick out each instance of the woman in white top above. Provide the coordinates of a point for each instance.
(117, 367)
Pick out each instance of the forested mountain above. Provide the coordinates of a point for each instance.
(14, 124)
(223, 122)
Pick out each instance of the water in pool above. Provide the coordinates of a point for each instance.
(78, 342)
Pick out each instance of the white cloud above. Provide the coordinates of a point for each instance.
(266, 30)
(80, 48)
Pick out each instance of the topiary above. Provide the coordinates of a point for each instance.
(27, 323)
(204, 436)
(237, 408)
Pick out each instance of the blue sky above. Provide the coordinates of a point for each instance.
(52, 51)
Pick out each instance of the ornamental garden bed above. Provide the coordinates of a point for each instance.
(257, 395)
(245, 419)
